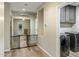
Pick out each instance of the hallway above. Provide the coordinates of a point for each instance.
(14, 15)
(26, 52)
(39, 30)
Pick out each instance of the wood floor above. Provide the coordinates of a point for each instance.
(33, 52)
(26, 52)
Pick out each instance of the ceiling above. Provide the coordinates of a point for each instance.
(25, 6)
(75, 3)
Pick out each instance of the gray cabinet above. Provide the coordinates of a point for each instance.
(67, 14)
(62, 14)
(70, 14)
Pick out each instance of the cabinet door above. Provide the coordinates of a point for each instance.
(72, 14)
(67, 14)
(62, 14)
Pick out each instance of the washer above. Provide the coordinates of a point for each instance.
(64, 45)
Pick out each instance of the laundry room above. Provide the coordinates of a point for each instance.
(69, 30)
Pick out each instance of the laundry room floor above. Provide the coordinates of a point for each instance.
(73, 54)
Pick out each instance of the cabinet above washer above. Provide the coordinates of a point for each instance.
(68, 14)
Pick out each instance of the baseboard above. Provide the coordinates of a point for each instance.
(1, 53)
(7, 50)
(45, 51)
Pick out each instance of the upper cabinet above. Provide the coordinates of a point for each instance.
(68, 14)
(62, 14)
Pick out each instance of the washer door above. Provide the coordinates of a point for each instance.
(63, 42)
(64, 46)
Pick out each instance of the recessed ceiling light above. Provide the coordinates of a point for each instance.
(24, 9)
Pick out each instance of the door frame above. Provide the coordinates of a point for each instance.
(12, 33)
(58, 26)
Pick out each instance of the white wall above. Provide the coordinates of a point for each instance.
(63, 30)
(75, 28)
(32, 24)
(1, 29)
(41, 22)
(7, 27)
(48, 41)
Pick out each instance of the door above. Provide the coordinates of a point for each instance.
(20, 28)
(72, 14)
(62, 14)
(67, 14)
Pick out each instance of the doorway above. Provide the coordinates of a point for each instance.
(20, 29)
(69, 29)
